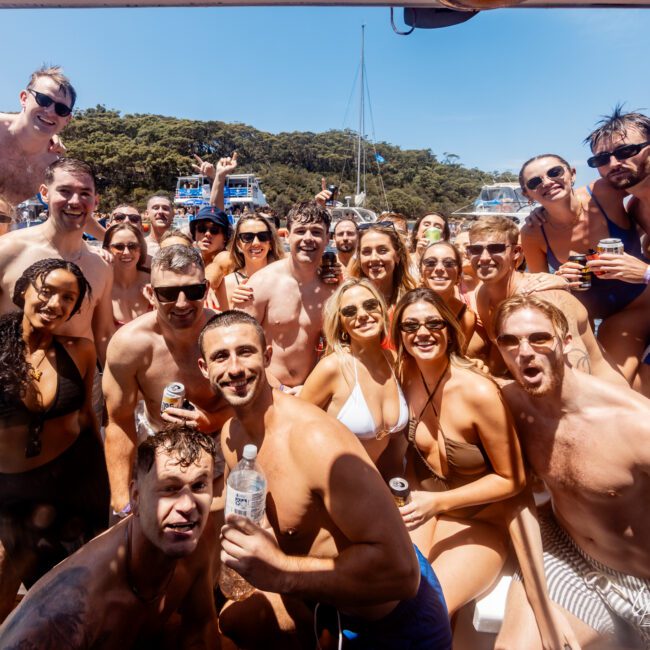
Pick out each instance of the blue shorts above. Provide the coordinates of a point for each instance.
(420, 623)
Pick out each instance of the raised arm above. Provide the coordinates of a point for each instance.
(121, 394)
(225, 166)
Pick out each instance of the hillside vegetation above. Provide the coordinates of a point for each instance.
(135, 155)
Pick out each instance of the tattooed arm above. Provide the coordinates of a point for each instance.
(53, 616)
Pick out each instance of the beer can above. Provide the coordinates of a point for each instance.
(585, 273)
(173, 395)
(399, 488)
(611, 245)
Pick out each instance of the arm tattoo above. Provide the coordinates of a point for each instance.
(54, 618)
(579, 360)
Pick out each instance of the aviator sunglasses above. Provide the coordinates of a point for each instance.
(536, 340)
(493, 249)
(350, 311)
(431, 263)
(623, 152)
(432, 324)
(191, 291)
(44, 102)
(554, 172)
(121, 247)
(249, 237)
(119, 217)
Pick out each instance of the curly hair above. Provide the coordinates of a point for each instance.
(14, 369)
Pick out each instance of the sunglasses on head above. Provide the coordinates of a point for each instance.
(62, 110)
(202, 228)
(554, 172)
(350, 311)
(131, 246)
(120, 217)
(432, 324)
(377, 224)
(432, 262)
(191, 291)
(492, 249)
(249, 237)
(623, 152)
(536, 340)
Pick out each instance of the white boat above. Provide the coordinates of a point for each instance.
(241, 191)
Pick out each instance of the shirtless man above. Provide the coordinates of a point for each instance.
(125, 213)
(160, 212)
(120, 589)
(346, 238)
(148, 353)
(494, 253)
(288, 298)
(597, 541)
(323, 545)
(69, 190)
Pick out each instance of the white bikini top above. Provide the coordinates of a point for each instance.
(356, 416)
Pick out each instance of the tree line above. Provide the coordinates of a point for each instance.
(135, 155)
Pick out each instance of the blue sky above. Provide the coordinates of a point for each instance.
(505, 86)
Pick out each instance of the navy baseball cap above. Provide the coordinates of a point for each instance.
(210, 213)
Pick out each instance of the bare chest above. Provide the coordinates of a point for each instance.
(21, 175)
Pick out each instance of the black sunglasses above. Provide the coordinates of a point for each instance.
(432, 262)
(534, 182)
(623, 152)
(432, 324)
(249, 237)
(62, 110)
(536, 340)
(120, 217)
(492, 249)
(132, 246)
(371, 304)
(202, 228)
(191, 291)
(5, 218)
(377, 224)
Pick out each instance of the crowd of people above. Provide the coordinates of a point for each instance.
(511, 402)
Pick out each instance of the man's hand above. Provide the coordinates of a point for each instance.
(254, 553)
(324, 195)
(227, 165)
(420, 508)
(56, 146)
(203, 167)
(195, 417)
(105, 254)
(623, 267)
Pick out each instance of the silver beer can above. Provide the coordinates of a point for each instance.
(173, 395)
(611, 245)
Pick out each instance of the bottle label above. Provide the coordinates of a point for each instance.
(245, 504)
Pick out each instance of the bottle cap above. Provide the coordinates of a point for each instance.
(250, 452)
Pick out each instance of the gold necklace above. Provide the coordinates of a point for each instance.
(34, 372)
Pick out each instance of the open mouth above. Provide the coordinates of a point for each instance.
(182, 527)
(44, 121)
(532, 373)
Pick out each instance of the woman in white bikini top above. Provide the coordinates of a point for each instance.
(355, 382)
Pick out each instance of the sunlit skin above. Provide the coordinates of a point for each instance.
(550, 189)
(365, 325)
(45, 121)
(51, 301)
(424, 344)
(161, 214)
(307, 241)
(492, 268)
(442, 279)
(71, 200)
(174, 241)
(256, 251)
(129, 257)
(378, 260)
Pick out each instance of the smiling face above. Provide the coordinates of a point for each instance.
(172, 502)
(125, 248)
(44, 119)
(424, 344)
(307, 241)
(160, 212)
(440, 270)
(377, 256)
(496, 266)
(553, 187)
(209, 236)
(181, 313)
(532, 351)
(256, 249)
(366, 323)
(622, 174)
(50, 301)
(71, 199)
(346, 236)
(235, 361)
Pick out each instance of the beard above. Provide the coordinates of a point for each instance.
(345, 247)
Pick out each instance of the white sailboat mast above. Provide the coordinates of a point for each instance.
(362, 110)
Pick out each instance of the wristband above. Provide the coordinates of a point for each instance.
(646, 275)
(126, 510)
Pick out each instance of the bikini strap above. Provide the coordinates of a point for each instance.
(600, 207)
(414, 422)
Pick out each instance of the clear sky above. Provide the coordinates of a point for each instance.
(505, 86)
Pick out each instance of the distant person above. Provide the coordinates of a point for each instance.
(145, 583)
(174, 237)
(130, 274)
(150, 352)
(430, 227)
(53, 483)
(69, 189)
(287, 297)
(125, 213)
(160, 213)
(328, 550)
(589, 441)
(346, 238)
(254, 245)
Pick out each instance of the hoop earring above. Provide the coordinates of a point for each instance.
(345, 337)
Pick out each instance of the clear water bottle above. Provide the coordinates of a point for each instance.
(245, 496)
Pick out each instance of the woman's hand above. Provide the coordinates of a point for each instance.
(623, 267)
(543, 282)
(572, 273)
(241, 295)
(422, 507)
